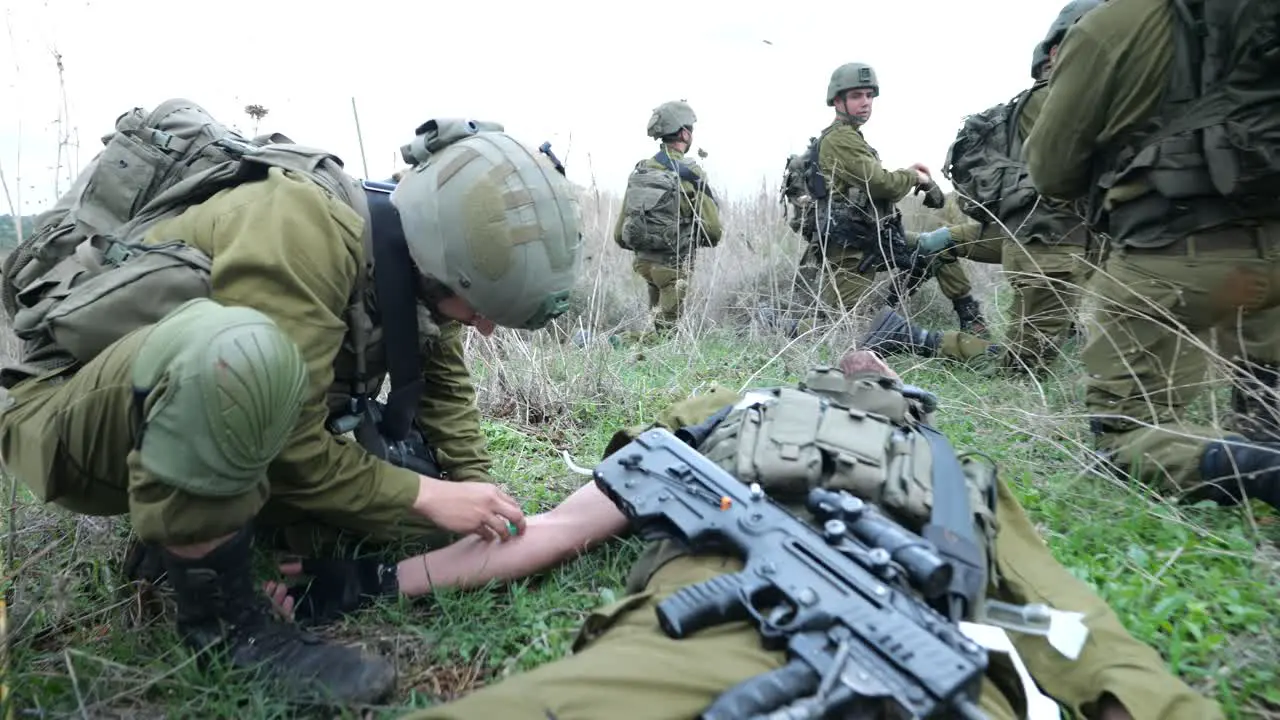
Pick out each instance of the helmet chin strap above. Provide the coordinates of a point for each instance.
(849, 119)
(395, 282)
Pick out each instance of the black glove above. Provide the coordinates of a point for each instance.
(933, 197)
(339, 586)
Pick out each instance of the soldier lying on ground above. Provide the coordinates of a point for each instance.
(624, 666)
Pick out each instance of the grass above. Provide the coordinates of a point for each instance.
(1200, 584)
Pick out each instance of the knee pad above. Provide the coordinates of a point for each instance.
(220, 390)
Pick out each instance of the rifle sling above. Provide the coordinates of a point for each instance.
(951, 529)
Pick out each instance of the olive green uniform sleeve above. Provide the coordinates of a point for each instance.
(1031, 109)
(846, 158)
(447, 412)
(707, 212)
(1108, 77)
(292, 253)
(970, 232)
(1060, 149)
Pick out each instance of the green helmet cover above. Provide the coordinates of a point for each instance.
(495, 224)
(850, 76)
(669, 117)
(1068, 16)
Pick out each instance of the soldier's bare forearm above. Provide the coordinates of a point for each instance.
(585, 519)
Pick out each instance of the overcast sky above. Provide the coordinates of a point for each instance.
(567, 71)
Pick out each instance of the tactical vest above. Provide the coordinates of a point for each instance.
(849, 217)
(861, 434)
(1211, 153)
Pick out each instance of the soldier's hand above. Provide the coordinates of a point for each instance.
(923, 176)
(336, 587)
(468, 508)
(933, 197)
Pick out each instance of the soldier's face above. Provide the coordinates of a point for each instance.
(455, 308)
(857, 103)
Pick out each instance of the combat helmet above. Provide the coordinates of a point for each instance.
(1068, 16)
(669, 117)
(495, 224)
(850, 76)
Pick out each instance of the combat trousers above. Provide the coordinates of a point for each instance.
(1047, 281)
(1151, 338)
(625, 668)
(72, 436)
(667, 283)
(953, 281)
(841, 288)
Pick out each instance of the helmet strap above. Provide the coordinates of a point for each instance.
(395, 283)
(848, 119)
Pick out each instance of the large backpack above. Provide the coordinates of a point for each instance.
(82, 279)
(652, 217)
(793, 182)
(984, 163)
(1217, 133)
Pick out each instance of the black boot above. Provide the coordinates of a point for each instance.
(1242, 468)
(1254, 407)
(143, 562)
(889, 332)
(219, 607)
(970, 315)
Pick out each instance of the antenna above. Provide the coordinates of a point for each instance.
(359, 137)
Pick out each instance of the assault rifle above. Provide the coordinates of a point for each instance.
(837, 600)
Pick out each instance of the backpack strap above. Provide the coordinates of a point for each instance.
(1185, 82)
(1016, 105)
(685, 172)
(814, 182)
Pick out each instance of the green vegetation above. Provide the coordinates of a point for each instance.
(1200, 584)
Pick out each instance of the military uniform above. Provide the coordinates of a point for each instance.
(624, 666)
(667, 273)
(212, 419)
(71, 435)
(1176, 271)
(858, 187)
(666, 265)
(1047, 261)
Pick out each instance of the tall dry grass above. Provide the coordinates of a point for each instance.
(739, 289)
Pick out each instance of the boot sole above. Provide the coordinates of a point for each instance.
(878, 323)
